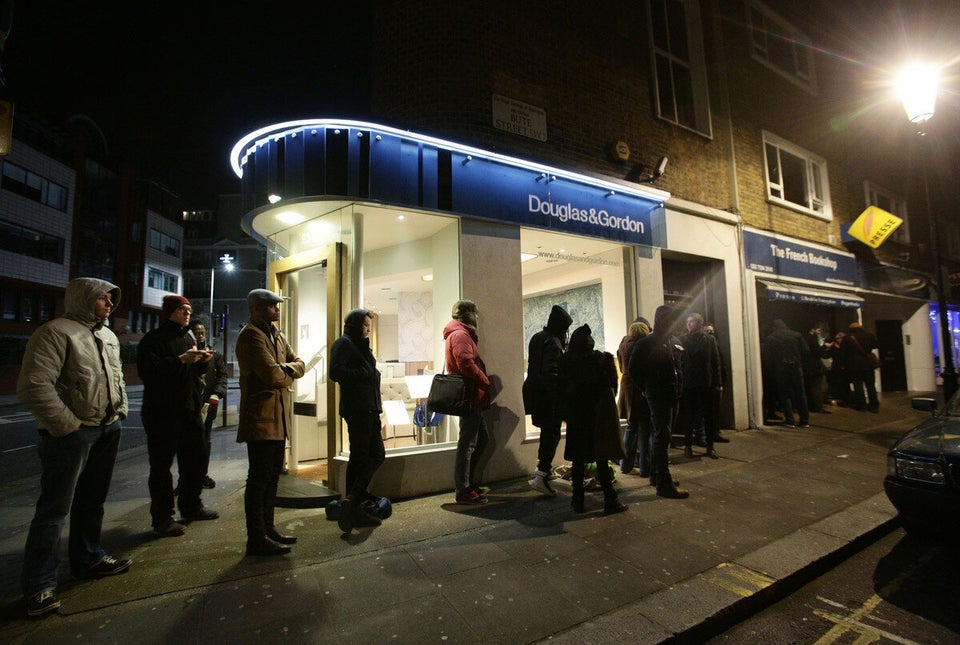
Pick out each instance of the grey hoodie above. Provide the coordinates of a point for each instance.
(71, 373)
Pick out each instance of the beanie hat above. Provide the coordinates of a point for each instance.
(581, 339)
(173, 302)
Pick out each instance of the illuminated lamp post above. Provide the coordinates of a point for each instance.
(226, 260)
(917, 87)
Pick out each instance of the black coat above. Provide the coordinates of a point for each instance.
(701, 361)
(540, 399)
(353, 366)
(854, 356)
(784, 348)
(169, 386)
(656, 366)
(588, 381)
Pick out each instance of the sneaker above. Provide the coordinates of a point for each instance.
(720, 439)
(208, 482)
(541, 485)
(169, 529)
(199, 515)
(479, 490)
(712, 453)
(109, 566)
(42, 603)
(471, 497)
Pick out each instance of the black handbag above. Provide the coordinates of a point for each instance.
(450, 394)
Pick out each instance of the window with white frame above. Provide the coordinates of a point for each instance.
(679, 65)
(157, 279)
(796, 178)
(892, 203)
(775, 43)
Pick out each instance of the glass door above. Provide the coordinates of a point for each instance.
(309, 283)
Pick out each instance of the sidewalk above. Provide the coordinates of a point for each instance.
(778, 507)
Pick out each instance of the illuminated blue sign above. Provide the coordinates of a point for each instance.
(786, 257)
(368, 161)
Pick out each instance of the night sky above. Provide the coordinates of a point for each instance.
(173, 86)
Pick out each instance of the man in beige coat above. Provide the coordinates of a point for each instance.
(72, 382)
(268, 366)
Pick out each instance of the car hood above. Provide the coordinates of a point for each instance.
(932, 438)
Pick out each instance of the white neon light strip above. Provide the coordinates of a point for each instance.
(255, 139)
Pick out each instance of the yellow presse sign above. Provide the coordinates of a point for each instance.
(874, 226)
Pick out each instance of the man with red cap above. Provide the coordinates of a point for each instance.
(171, 368)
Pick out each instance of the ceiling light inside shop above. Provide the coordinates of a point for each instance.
(427, 277)
(526, 257)
(273, 199)
(289, 217)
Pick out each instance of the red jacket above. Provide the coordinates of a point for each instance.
(461, 358)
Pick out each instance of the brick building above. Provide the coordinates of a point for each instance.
(513, 158)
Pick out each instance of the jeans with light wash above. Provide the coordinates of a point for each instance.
(77, 470)
(470, 445)
(638, 438)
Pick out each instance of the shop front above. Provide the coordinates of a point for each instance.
(357, 214)
(815, 290)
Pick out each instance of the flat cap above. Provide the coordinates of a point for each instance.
(258, 296)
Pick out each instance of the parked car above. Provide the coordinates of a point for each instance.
(923, 470)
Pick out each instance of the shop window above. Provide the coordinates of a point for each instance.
(781, 47)
(796, 178)
(585, 276)
(892, 203)
(679, 65)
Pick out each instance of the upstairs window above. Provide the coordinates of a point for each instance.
(892, 203)
(796, 178)
(32, 186)
(679, 67)
(781, 47)
(157, 279)
(160, 241)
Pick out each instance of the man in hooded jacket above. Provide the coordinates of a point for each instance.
(784, 352)
(71, 380)
(354, 367)
(540, 392)
(657, 370)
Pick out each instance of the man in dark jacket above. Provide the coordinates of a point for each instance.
(540, 392)
(214, 389)
(855, 352)
(701, 379)
(657, 369)
(354, 367)
(171, 368)
(784, 352)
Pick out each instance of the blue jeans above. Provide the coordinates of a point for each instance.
(77, 470)
(470, 445)
(663, 413)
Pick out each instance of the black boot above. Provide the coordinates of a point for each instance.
(667, 486)
(611, 504)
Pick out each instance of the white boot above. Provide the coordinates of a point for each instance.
(540, 484)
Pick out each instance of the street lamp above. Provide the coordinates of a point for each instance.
(227, 261)
(917, 87)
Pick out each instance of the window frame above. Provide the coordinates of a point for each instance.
(169, 281)
(816, 178)
(795, 40)
(898, 207)
(694, 64)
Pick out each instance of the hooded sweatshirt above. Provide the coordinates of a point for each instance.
(71, 373)
(543, 363)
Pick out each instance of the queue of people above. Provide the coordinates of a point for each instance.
(72, 382)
